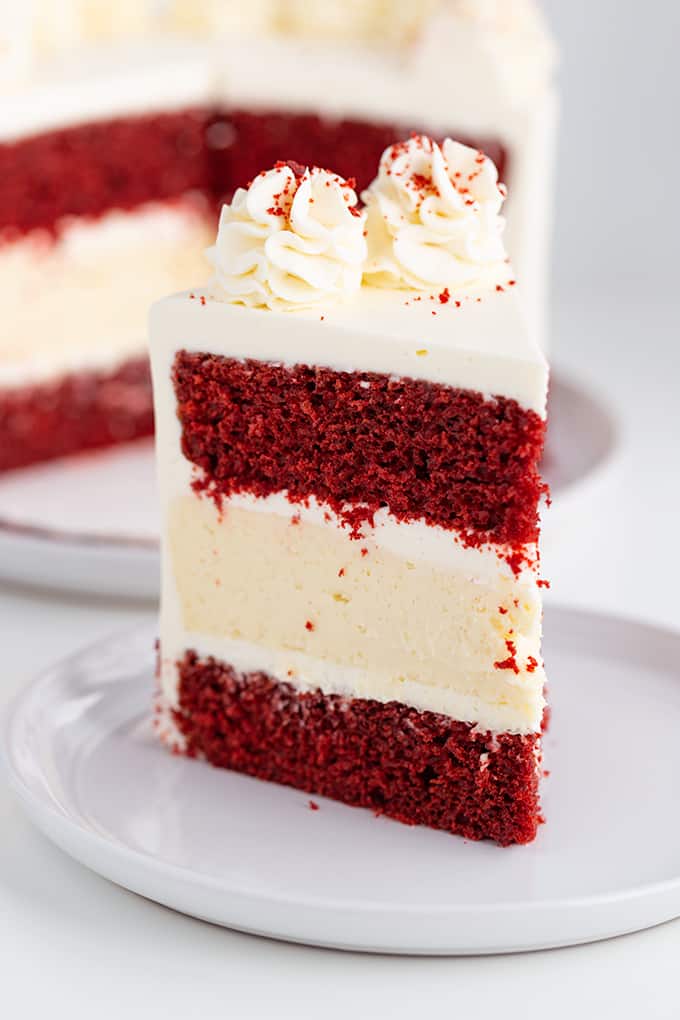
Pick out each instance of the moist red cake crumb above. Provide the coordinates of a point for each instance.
(80, 412)
(352, 147)
(424, 450)
(89, 169)
(420, 768)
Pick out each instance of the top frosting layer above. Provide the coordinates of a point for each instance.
(293, 239)
(434, 216)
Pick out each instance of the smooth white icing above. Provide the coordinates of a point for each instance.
(290, 243)
(105, 83)
(482, 344)
(433, 216)
(307, 673)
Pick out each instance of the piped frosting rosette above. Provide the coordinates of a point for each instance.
(293, 239)
(433, 216)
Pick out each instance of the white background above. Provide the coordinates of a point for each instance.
(617, 215)
(73, 945)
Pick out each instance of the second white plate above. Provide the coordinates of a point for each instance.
(84, 762)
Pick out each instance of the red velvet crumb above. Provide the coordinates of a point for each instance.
(418, 767)
(422, 449)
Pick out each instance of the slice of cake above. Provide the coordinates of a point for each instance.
(349, 424)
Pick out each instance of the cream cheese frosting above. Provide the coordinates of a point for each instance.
(434, 216)
(290, 240)
(479, 341)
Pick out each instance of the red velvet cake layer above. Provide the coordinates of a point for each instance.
(78, 412)
(252, 141)
(425, 450)
(420, 768)
(89, 169)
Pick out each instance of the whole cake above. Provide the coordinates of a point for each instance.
(120, 138)
(350, 419)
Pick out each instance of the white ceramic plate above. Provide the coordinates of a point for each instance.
(87, 523)
(90, 523)
(250, 855)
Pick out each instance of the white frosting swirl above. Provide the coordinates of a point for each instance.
(434, 216)
(290, 241)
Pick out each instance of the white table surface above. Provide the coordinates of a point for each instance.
(71, 944)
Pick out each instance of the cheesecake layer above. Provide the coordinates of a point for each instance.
(379, 615)
(79, 303)
(421, 768)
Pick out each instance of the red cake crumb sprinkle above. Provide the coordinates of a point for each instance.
(341, 572)
(364, 552)
(511, 661)
(202, 299)
(498, 287)
(420, 768)
(313, 806)
(422, 449)
(309, 625)
(445, 296)
(542, 583)
(502, 610)
(532, 664)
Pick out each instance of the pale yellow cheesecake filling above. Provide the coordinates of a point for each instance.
(81, 303)
(264, 587)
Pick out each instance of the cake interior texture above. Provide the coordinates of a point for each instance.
(102, 218)
(350, 604)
